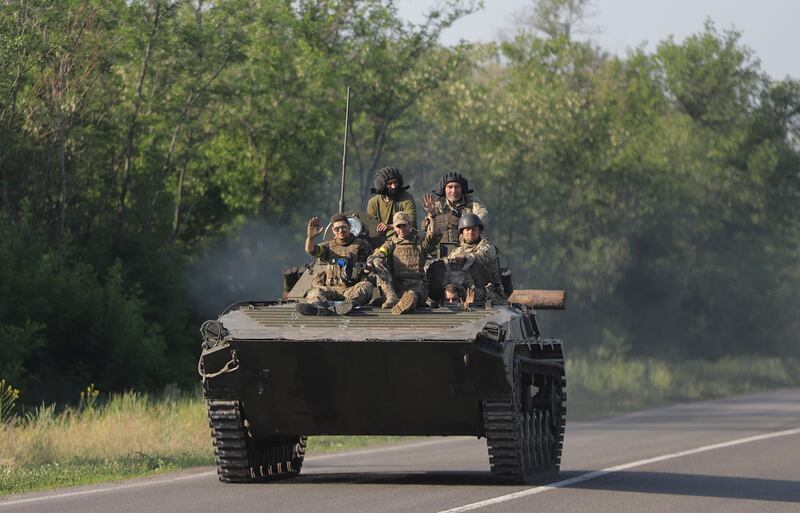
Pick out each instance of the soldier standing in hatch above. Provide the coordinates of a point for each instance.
(475, 262)
(453, 198)
(405, 255)
(390, 197)
(341, 280)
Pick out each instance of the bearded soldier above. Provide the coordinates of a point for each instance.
(390, 197)
(399, 265)
(342, 260)
(474, 264)
(453, 198)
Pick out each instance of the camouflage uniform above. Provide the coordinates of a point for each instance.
(339, 278)
(445, 216)
(407, 259)
(481, 270)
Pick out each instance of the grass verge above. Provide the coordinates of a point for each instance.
(603, 386)
(128, 435)
(132, 434)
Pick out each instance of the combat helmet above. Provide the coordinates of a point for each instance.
(382, 177)
(452, 176)
(469, 220)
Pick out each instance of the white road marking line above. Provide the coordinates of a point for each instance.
(173, 479)
(617, 468)
(105, 489)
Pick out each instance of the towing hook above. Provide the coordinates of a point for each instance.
(232, 365)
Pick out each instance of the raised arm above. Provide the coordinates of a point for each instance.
(312, 232)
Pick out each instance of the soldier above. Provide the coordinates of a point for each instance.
(344, 258)
(474, 264)
(405, 254)
(390, 196)
(453, 199)
(453, 293)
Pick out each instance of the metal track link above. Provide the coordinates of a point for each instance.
(242, 458)
(230, 443)
(525, 435)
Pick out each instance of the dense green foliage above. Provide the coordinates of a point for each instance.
(146, 145)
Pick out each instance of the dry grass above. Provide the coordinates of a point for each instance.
(128, 435)
(125, 426)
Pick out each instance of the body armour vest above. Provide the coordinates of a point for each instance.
(446, 224)
(446, 217)
(341, 267)
(407, 260)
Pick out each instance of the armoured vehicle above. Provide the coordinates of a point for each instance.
(273, 377)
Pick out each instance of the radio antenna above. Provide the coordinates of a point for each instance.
(344, 149)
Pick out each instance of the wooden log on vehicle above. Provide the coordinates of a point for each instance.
(540, 299)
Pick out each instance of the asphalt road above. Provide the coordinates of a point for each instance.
(740, 454)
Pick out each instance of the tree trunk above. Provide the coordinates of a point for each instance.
(176, 218)
(265, 190)
(132, 124)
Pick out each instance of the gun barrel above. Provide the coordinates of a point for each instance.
(540, 299)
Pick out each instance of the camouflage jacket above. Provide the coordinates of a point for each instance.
(481, 269)
(407, 256)
(340, 263)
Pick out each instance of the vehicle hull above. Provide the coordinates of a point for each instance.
(360, 388)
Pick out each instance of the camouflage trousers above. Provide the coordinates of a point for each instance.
(386, 283)
(359, 294)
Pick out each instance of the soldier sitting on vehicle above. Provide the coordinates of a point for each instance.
(453, 199)
(342, 279)
(453, 293)
(474, 264)
(399, 265)
(390, 197)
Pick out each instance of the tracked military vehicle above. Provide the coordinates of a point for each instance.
(273, 377)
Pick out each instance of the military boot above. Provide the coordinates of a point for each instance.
(317, 308)
(343, 307)
(389, 293)
(406, 303)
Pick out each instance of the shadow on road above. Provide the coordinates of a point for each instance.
(428, 478)
(630, 481)
(694, 485)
